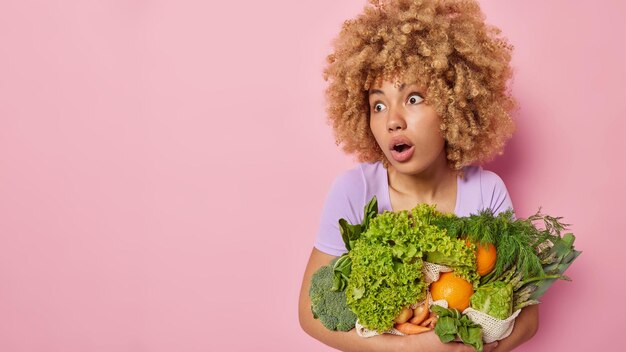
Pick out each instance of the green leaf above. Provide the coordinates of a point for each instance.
(446, 329)
(370, 212)
(494, 299)
(349, 233)
(338, 283)
(568, 239)
(344, 231)
(451, 323)
(343, 265)
(565, 253)
(357, 293)
(411, 251)
(341, 272)
(441, 311)
(452, 260)
(471, 333)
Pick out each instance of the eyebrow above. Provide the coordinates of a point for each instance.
(378, 91)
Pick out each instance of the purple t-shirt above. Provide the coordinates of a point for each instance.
(479, 189)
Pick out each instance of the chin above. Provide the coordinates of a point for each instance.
(412, 167)
(408, 168)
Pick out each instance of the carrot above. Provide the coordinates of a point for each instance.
(420, 313)
(433, 323)
(411, 329)
(404, 315)
(427, 321)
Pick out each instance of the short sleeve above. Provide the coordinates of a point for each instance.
(495, 195)
(344, 200)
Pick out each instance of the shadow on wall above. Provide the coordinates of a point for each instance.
(514, 164)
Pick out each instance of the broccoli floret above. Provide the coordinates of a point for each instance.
(329, 306)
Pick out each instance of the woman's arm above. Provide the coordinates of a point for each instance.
(350, 341)
(526, 325)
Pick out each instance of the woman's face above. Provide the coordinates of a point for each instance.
(405, 127)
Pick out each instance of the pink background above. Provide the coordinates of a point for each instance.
(163, 166)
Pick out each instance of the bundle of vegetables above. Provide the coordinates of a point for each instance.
(499, 265)
(529, 258)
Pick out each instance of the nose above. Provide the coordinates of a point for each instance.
(396, 121)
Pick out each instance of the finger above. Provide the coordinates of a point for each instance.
(461, 347)
(490, 346)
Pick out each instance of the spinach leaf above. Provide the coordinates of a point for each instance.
(446, 329)
(341, 272)
(471, 333)
(452, 324)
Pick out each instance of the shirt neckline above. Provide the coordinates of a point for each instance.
(388, 195)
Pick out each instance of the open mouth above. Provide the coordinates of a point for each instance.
(401, 147)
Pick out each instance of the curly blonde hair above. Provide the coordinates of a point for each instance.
(444, 45)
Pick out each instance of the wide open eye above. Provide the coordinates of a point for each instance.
(378, 107)
(415, 98)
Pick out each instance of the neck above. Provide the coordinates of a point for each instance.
(426, 185)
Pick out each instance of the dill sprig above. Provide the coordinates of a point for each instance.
(551, 225)
(484, 227)
(455, 226)
(516, 240)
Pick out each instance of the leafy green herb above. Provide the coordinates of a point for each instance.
(446, 329)
(341, 273)
(471, 333)
(350, 234)
(515, 239)
(451, 324)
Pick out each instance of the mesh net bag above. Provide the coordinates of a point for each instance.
(494, 329)
(365, 332)
(431, 271)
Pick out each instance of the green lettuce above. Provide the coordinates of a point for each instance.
(386, 273)
(440, 248)
(350, 233)
(386, 262)
(495, 299)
